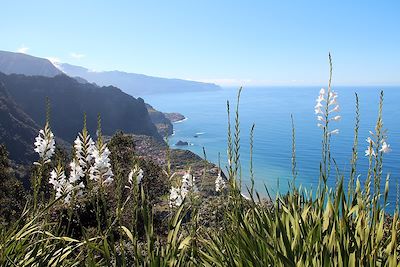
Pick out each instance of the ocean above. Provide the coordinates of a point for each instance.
(270, 109)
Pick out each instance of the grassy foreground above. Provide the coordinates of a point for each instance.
(96, 216)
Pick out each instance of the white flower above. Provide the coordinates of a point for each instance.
(75, 177)
(318, 105)
(53, 179)
(332, 97)
(108, 181)
(385, 148)
(84, 147)
(101, 169)
(370, 151)
(61, 185)
(140, 176)
(178, 195)
(329, 98)
(45, 144)
(318, 110)
(67, 199)
(76, 172)
(220, 183)
(336, 131)
(320, 98)
(175, 197)
(78, 189)
(333, 101)
(369, 140)
(130, 177)
(68, 187)
(188, 184)
(335, 109)
(138, 173)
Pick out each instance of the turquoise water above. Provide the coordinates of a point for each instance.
(270, 109)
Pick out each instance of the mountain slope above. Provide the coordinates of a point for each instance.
(19, 63)
(70, 100)
(17, 129)
(136, 84)
(163, 124)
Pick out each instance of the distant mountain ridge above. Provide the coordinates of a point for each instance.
(19, 63)
(131, 83)
(136, 84)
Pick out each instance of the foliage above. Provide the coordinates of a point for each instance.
(115, 223)
(123, 157)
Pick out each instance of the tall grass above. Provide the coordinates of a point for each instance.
(332, 227)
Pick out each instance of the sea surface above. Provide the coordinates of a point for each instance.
(270, 109)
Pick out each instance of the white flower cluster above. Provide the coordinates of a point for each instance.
(175, 197)
(45, 145)
(326, 105)
(178, 194)
(67, 186)
(75, 177)
(220, 183)
(188, 184)
(137, 173)
(84, 147)
(101, 170)
(88, 159)
(384, 146)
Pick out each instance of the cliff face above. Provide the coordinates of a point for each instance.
(163, 124)
(17, 129)
(70, 100)
(164, 121)
(174, 116)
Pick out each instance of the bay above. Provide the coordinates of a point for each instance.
(270, 109)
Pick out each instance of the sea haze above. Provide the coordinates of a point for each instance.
(270, 109)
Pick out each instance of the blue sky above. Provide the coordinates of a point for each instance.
(227, 42)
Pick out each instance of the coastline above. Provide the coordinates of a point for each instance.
(180, 121)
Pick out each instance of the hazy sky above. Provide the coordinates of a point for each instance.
(228, 42)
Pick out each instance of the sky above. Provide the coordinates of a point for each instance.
(231, 43)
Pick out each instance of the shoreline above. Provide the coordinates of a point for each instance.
(180, 121)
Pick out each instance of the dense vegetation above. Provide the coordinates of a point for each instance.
(100, 211)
